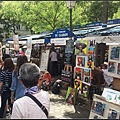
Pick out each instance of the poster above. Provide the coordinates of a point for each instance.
(90, 58)
(84, 90)
(112, 67)
(78, 85)
(102, 109)
(78, 73)
(112, 114)
(114, 53)
(16, 42)
(98, 107)
(118, 69)
(71, 95)
(81, 61)
(81, 47)
(87, 76)
(44, 60)
(69, 49)
(111, 95)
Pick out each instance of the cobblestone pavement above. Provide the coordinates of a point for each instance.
(60, 109)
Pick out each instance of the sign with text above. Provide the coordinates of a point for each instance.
(61, 33)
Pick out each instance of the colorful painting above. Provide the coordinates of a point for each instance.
(98, 107)
(71, 95)
(78, 85)
(81, 47)
(114, 53)
(111, 67)
(87, 76)
(80, 61)
(112, 114)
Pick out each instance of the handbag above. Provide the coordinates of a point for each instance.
(38, 103)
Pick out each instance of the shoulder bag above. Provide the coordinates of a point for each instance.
(38, 103)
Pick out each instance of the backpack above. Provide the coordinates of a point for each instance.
(56, 88)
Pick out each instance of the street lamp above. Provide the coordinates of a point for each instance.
(70, 5)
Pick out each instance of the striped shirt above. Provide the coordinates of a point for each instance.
(6, 78)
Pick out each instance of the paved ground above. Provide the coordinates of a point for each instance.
(60, 109)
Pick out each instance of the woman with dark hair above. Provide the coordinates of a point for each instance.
(5, 83)
(17, 89)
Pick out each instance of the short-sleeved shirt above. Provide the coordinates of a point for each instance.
(108, 79)
(26, 108)
(53, 56)
(6, 78)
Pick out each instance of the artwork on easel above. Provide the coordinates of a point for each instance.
(111, 66)
(114, 53)
(112, 114)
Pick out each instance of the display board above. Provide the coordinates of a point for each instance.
(102, 109)
(114, 61)
(111, 95)
(44, 59)
(69, 49)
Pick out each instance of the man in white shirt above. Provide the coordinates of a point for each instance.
(54, 61)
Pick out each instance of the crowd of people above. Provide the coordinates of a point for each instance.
(17, 82)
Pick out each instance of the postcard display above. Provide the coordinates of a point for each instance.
(84, 63)
(106, 106)
(114, 61)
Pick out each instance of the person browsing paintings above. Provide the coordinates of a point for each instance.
(47, 79)
(26, 107)
(108, 79)
(54, 61)
(17, 89)
(5, 83)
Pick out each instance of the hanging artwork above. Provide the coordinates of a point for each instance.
(81, 47)
(87, 76)
(81, 61)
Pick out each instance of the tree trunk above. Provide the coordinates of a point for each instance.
(105, 11)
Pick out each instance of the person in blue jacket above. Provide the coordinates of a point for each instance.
(17, 89)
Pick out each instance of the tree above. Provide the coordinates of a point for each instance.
(105, 11)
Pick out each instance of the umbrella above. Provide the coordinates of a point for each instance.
(80, 44)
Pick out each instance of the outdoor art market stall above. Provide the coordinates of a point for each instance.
(87, 56)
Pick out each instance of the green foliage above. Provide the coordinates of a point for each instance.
(41, 16)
